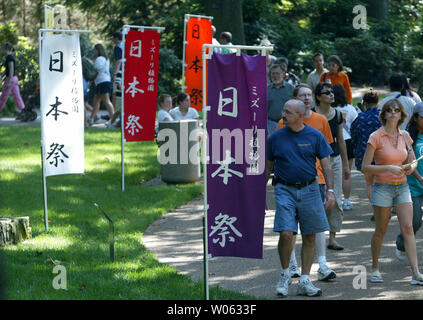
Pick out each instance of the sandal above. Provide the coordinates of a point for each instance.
(376, 277)
(418, 280)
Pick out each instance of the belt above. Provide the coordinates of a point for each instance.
(298, 185)
(396, 183)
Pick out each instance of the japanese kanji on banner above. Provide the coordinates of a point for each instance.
(140, 84)
(62, 105)
(236, 128)
(198, 32)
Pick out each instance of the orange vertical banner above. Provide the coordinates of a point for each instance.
(198, 32)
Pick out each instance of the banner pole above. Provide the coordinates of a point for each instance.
(125, 30)
(122, 112)
(205, 225)
(186, 18)
(44, 189)
(43, 171)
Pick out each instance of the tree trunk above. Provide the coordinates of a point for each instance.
(24, 17)
(377, 9)
(227, 16)
(14, 230)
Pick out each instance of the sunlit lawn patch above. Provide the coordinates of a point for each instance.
(78, 233)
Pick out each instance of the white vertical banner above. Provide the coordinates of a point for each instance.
(62, 104)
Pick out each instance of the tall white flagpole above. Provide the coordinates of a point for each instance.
(43, 152)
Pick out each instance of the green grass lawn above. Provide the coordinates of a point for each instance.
(78, 233)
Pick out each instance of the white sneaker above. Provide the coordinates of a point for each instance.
(418, 280)
(283, 284)
(109, 124)
(294, 271)
(347, 205)
(401, 255)
(306, 288)
(325, 273)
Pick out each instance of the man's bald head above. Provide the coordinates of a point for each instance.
(297, 105)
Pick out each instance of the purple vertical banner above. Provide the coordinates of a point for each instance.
(236, 169)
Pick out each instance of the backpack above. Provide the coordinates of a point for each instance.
(88, 70)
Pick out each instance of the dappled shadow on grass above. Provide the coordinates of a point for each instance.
(135, 274)
(78, 232)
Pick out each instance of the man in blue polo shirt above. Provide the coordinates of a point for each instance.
(292, 151)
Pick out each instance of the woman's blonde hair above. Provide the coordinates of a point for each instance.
(392, 104)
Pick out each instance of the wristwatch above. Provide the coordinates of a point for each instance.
(331, 190)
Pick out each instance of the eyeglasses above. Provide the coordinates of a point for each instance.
(396, 110)
(327, 92)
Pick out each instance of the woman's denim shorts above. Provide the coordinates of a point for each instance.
(389, 195)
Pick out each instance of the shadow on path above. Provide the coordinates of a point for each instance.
(176, 239)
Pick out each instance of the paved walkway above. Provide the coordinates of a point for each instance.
(176, 239)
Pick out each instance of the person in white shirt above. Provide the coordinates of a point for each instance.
(165, 105)
(314, 77)
(408, 91)
(396, 85)
(214, 40)
(183, 111)
(349, 114)
(102, 82)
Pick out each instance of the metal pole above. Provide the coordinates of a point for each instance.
(44, 189)
(186, 18)
(205, 225)
(143, 27)
(122, 109)
(262, 48)
(197, 16)
(43, 167)
(111, 233)
(122, 112)
(207, 54)
(64, 31)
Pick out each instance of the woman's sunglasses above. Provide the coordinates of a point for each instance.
(396, 110)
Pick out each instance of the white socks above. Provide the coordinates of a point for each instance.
(293, 260)
(304, 277)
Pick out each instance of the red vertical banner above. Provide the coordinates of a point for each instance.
(140, 84)
(198, 32)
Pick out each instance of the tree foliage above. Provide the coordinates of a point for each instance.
(298, 29)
